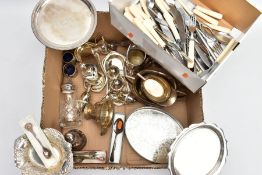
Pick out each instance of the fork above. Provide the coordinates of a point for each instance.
(217, 48)
(191, 45)
(213, 43)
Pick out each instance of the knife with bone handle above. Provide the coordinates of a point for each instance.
(209, 12)
(148, 23)
(169, 19)
(218, 28)
(144, 7)
(150, 27)
(181, 18)
(205, 17)
(135, 12)
(139, 10)
(145, 30)
(159, 19)
(190, 9)
(140, 25)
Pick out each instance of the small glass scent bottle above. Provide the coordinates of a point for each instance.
(70, 111)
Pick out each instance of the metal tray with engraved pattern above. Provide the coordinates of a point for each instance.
(151, 131)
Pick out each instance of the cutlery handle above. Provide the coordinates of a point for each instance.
(141, 26)
(166, 5)
(113, 150)
(218, 28)
(138, 11)
(134, 11)
(161, 5)
(144, 7)
(170, 22)
(129, 16)
(150, 28)
(210, 12)
(232, 43)
(138, 22)
(205, 17)
(169, 18)
(191, 52)
(185, 7)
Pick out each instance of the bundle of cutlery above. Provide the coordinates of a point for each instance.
(189, 32)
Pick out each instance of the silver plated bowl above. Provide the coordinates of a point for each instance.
(29, 163)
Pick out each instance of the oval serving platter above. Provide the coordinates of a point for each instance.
(150, 132)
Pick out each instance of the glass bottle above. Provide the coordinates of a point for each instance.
(70, 111)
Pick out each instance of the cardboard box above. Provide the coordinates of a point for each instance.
(239, 14)
(186, 110)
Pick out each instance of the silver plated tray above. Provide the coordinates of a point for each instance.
(64, 24)
(200, 149)
(150, 132)
(29, 163)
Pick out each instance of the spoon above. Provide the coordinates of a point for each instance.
(46, 152)
(118, 128)
(222, 37)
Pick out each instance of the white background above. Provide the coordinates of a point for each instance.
(232, 98)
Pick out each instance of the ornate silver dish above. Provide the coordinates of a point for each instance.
(29, 163)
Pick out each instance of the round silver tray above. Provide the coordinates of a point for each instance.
(58, 16)
(200, 149)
